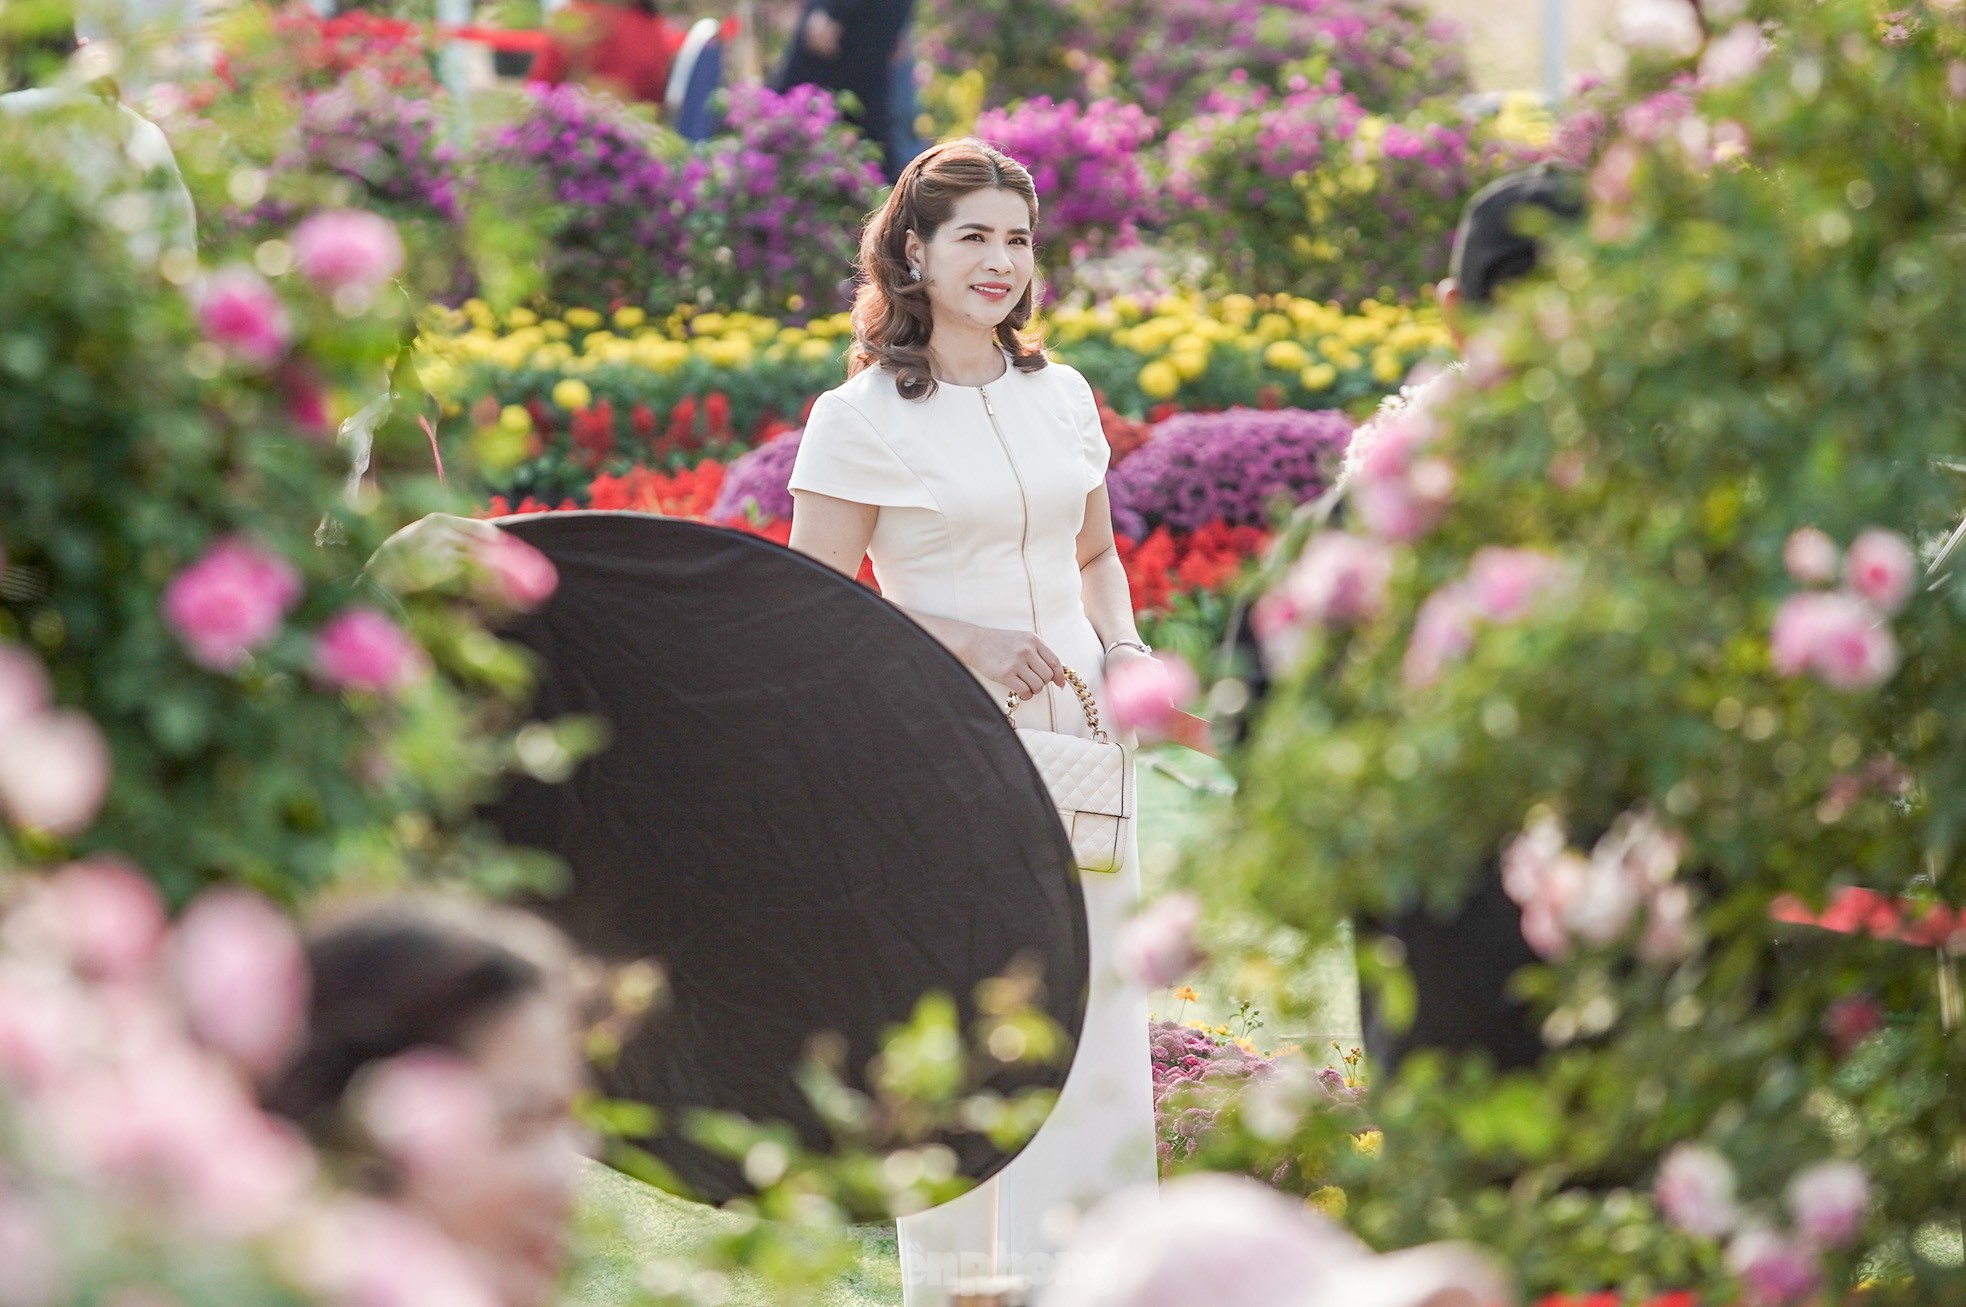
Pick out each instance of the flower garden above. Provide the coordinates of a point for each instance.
(1647, 615)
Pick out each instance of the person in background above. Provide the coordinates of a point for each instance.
(1460, 963)
(413, 999)
(850, 45)
(87, 129)
(626, 49)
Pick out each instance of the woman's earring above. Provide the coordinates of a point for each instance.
(914, 274)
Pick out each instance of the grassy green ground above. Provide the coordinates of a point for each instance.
(1178, 790)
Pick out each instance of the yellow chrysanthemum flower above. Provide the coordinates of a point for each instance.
(1330, 1200)
(1159, 380)
(628, 317)
(571, 393)
(1318, 376)
(555, 329)
(1285, 356)
(582, 319)
(521, 318)
(513, 417)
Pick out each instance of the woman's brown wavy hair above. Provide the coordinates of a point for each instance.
(891, 322)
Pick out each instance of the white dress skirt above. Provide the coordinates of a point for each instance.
(982, 492)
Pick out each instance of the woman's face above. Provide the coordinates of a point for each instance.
(510, 1214)
(978, 264)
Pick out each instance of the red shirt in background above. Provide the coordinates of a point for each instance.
(615, 47)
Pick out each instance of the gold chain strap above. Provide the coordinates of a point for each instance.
(1087, 704)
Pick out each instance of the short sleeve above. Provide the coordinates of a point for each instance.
(842, 455)
(1093, 449)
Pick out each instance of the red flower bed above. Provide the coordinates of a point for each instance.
(1170, 563)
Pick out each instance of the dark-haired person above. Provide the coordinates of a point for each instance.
(971, 469)
(1460, 963)
(84, 128)
(850, 45)
(491, 986)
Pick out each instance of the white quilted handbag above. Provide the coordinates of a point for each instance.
(1091, 783)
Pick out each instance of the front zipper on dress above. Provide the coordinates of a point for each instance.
(1024, 539)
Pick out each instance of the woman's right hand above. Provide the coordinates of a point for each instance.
(1016, 660)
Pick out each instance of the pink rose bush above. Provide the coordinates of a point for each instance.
(1696, 1191)
(1339, 580)
(1501, 586)
(130, 1109)
(1566, 897)
(1399, 490)
(230, 602)
(1840, 636)
(54, 762)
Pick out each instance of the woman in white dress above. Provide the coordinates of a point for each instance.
(971, 470)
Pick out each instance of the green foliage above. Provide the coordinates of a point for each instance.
(1743, 345)
(132, 445)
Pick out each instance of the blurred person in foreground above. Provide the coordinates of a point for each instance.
(65, 91)
(1460, 963)
(441, 1062)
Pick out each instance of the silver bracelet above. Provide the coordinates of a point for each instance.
(1129, 644)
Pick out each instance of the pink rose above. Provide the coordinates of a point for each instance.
(43, 1018)
(1837, 637)
(1773, 1270)
(242, 315)
(1670, 28)
(1880, 569)
(363, 1253)
(230, 602)
(429, 1111)
(307, 402)
(1668, 934)
(1604, 902)
(1828, 1201)
(1157, 948)
(1442, 631)
(522, 577)
(346, 249)
(1734, 56)
(33, 1276)
(1810, 556)
(54, 772)
(1850, 1021)
(167, 1117)
(1695, 1190)
(109, 918)
(1506, 582)
(1281, 629)
(243, 978)
(1611, 182)
(1340, 578)
(1144, 694)
(363, 650)
(24, 689)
